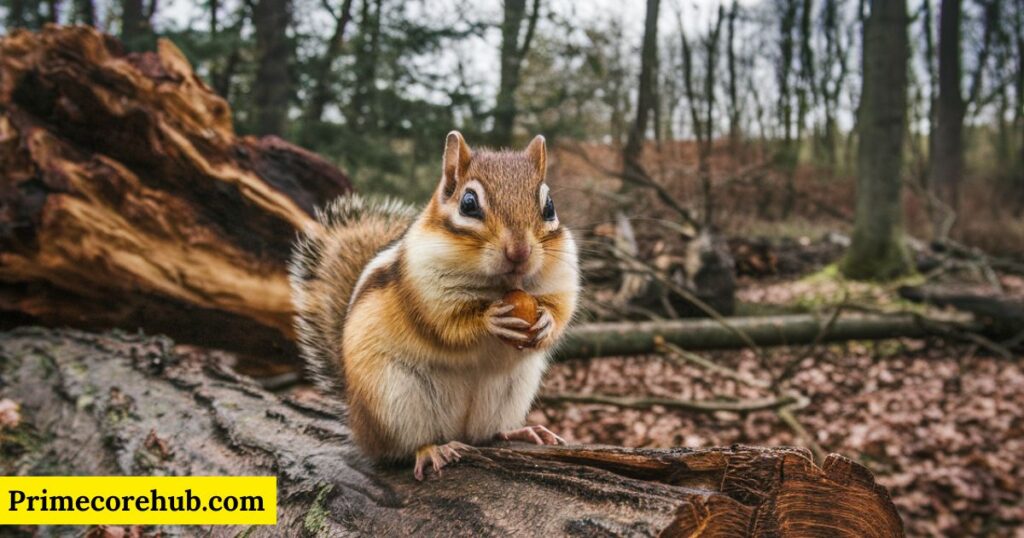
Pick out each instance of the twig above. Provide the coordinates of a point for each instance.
(786, 415)
(642, 179)
(790, 367)
(697, 406)
(678, 354)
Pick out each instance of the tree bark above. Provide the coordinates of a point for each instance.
(85, 12)
(128, 405)
(272, 88)
(321, 92)
(362, 108)
(136, 33)
(877, 251)
(513, 51)
(735, 109)
(131, 203)
(789, 152)
(645, 100)
(947, 137)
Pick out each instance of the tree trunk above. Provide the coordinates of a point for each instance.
(362, 109)
(947, 137)
(735, 107)
(131, 202)
(16, 14)
(128, 405)
(645, 100)
(787, 155)
(877, 251)
(321, 92)
(85, 12)
(136, 33)
(272, 88)
(513, 52)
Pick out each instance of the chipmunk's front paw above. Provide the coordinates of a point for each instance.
(509, 328)
(543, 329)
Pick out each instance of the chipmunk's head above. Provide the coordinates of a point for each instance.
(496, 210)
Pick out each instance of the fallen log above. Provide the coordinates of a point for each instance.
(128, 200)
(118, 404)
(1005, 314)
(635, 338)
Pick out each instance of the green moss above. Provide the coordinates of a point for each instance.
(17, 443)
(876, 261)
(315, 522)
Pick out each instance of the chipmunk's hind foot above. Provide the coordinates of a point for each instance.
(532, 434)
(438, 456)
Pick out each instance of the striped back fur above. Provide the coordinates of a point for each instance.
(326, 262)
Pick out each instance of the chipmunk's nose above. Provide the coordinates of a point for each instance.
(518, 252)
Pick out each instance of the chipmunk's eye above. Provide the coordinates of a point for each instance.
(549, 210)
(470, 206)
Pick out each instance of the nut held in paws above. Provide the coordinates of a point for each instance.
(524, 307)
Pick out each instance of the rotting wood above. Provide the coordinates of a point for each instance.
(130, 202)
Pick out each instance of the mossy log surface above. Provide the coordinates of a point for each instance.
(128, 200)
(122, 404)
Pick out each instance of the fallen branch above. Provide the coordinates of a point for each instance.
(1000, 310)
(697, 406)
(637, 338)
(680, 355)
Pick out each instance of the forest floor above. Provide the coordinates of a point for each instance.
(940, 424)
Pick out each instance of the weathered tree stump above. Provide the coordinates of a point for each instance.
(127, 200)
(123, 404)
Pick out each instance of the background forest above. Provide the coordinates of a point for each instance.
(748, 158)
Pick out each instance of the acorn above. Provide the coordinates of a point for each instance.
(524, 307)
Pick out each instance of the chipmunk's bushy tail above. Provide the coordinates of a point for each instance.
(325, 265)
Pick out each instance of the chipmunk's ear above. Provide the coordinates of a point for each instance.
(538, 153)
(456, 161)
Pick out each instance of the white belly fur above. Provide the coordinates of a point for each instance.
(468, 404)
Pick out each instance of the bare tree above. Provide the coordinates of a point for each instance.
(1019, 86)
(514, 48)
(787, 154)
(702, 109)
(947, 147)
(806, 91)
(735, 108)
(877, 251)
(832, 77)
(322, 72)
(645, 94)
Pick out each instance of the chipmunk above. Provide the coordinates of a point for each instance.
(403, 311)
